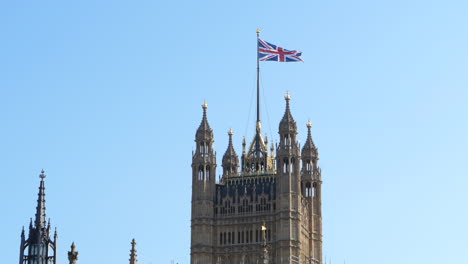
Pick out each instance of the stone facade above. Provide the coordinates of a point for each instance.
(265, 208)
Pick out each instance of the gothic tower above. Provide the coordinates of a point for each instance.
(288, 190)
(267, 210)
(39, 248)
(203, 193)
(311, 183)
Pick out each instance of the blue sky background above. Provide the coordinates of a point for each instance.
(106, 95)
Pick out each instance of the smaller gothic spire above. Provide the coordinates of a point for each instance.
(287, 122)
(309, 149)
(230, 158)
(133, 253)
(73, 254)
(40, 221)
(204, 131)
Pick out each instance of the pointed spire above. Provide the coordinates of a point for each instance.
(40, 221)
(230, 158)
(230, 149)
(287, 122)
(73, 254)
(204, 131)
(309, 148)
(133, 253)
(243, 145)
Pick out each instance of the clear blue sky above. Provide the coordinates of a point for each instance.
(106, 95)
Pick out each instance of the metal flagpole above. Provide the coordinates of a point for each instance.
(258, 125)
(258, 79)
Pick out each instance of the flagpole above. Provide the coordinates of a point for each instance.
(258, 80)
(257, 125)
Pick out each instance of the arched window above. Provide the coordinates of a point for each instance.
(200, 173)
(285, 165)
(202, 147)
(308, 191)
(207, 173)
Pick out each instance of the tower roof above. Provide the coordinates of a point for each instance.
(287, 123)
(40, 221)
(309, 148)
(230, 152)
(204, 131)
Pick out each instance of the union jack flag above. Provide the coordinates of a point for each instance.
(270, 52)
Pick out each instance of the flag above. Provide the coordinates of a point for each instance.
(270, 52)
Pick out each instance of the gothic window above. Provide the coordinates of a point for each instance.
(308, 166)
(314, 190)
(207, 173)
(293, 164)
(285, 165)
(229, 237)
(200, 173)
(220, 238)
(286, 140)
(238, 237)
(202, 147)
(308, 190)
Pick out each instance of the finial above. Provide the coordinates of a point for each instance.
(309, 124)
(42, 175)
(204, 105)
(259, 126)
(258, 31)
(230, 132)
(287, 96)
(133, 253)
(73, 246)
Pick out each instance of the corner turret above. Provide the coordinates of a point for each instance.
(230, 159)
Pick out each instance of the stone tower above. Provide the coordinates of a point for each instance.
(265, 208)
(288, 218)
(203, 193)
(39, 247)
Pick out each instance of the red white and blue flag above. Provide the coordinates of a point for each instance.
(270, 52)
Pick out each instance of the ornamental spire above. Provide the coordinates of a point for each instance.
(204, 131)
(72, 254)
(230, 158)
(288, 124)
(40, 221)
(133, 253)
(309, 150)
